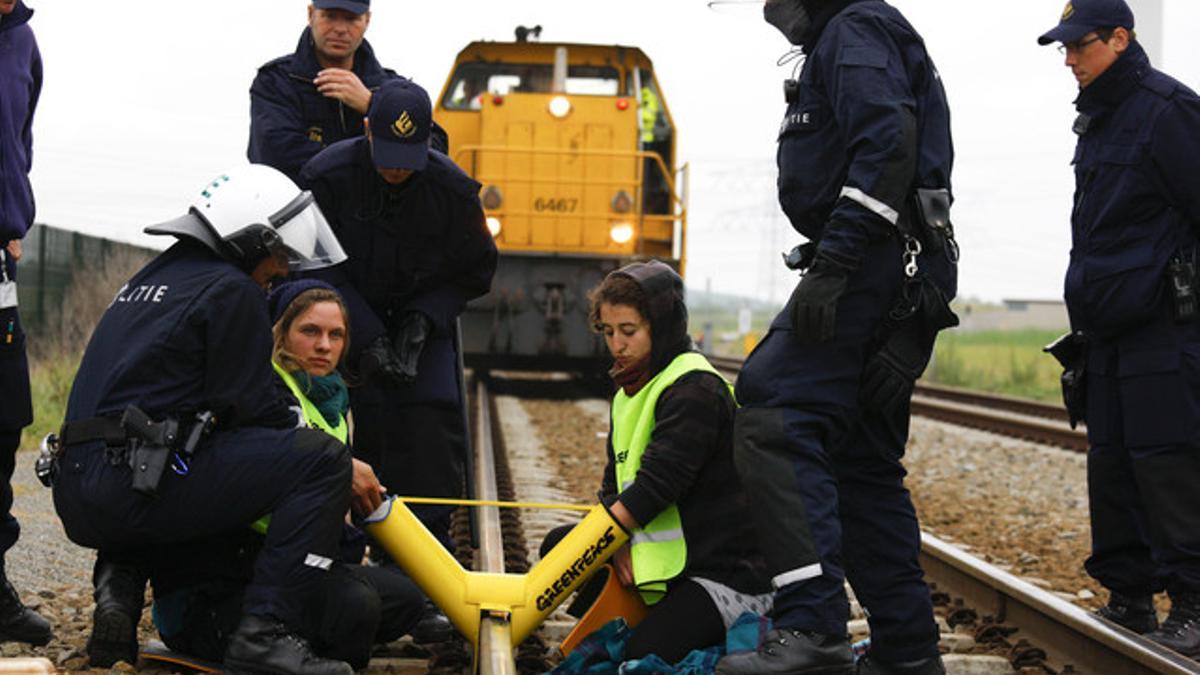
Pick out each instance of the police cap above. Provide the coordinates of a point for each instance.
(353, 6)
(1081, 17)
(401, 117)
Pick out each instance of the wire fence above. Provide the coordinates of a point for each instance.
(53, 259)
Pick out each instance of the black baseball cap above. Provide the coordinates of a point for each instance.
(401, 117)
(355, 6)
(1081, 17)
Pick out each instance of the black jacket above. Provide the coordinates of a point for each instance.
(689, 459)
(290, 121)
(869, 124)
(1136, 197)
(188, 332)
(420, 246)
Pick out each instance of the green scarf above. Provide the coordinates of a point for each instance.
(327, 392)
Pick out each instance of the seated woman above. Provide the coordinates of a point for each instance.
(198, 597)
(670, 478)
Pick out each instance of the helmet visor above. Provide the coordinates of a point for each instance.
(306, 236)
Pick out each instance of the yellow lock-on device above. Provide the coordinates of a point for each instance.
(465, 595)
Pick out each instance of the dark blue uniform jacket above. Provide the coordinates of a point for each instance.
(188, 332)
(869, 125)
(1137, 199)
(419, 246)
(290, 121)
(20, 85)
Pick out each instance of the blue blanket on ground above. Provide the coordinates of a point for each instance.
(602, 652)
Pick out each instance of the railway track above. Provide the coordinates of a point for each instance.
(1032, 626)
(1016, 417)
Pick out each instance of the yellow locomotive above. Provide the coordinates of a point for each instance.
(574, 147)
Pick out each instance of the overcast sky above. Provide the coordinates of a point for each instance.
(145, 100)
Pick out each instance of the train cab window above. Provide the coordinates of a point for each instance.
(472, 80)
(655, 135)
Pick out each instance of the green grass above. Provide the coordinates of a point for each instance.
(1004, 362)
(50, 378)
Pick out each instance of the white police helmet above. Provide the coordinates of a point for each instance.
(252, 211)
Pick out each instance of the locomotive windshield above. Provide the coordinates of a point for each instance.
(472, 80)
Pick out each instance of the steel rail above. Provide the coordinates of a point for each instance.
(1013, 404)
(1007, 415)
(999, 421)
(494, 654)
(1069, 635)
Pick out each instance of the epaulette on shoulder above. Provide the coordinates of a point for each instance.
(1160, 83)
(275, 62)
(335, 157)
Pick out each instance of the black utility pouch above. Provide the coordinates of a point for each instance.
(933, 227)
(151, 445)
(1181, 274)
(1071, 352)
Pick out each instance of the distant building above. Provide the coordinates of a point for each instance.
(1017, 314)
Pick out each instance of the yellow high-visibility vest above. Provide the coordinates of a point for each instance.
(658, 550)
(313, 418)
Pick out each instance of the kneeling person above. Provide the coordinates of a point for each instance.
(354, 607)
(189, 335)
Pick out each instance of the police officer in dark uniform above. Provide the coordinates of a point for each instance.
(318, 95)
(864, 173)
(418, 249)
(1133, 360)
(20, 85)
(175, 432)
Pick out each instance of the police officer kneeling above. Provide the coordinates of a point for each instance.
(175, 432)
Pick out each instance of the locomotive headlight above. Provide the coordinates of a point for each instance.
(560, 107)
(491, 198)
(621, 202)
(621, 233)
(493, 225)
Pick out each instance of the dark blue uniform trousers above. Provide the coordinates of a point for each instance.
(10, 529)
(1143, 473)
(416, 449)
(300, 476)
(825, 479)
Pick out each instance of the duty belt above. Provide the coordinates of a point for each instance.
(78, 432)
(107, 429)
(134, 438)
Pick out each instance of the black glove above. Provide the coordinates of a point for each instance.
(813, 305)
(378, 359)
(1071, 352)
(890, 375)
(410, 340)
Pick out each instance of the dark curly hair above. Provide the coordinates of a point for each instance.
(616, 289)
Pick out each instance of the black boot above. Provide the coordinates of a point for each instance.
(120, 590)
(793, 652)
(264, 645)
(1135, 612)
(18, 623)
(930, 666)
(1181, 630)
(433, 626)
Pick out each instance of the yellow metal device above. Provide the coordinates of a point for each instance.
(527, 599)
(575, 148)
